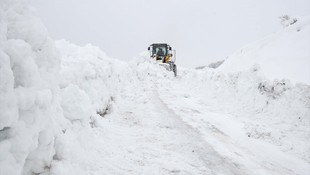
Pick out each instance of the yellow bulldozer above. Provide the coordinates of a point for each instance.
(164, 55)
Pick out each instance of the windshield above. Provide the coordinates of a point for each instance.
(160, 50)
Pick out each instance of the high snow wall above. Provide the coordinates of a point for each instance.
(46, 91)
(29, 95)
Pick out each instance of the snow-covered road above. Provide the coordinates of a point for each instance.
(146, 137)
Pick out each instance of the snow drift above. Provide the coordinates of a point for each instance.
(283, 55)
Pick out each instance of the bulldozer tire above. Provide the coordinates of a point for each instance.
(175, 70)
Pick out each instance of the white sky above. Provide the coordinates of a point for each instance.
(202, 31)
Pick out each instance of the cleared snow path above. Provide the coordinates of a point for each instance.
(143, 136)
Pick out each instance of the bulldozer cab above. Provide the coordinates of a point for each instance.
(161, 51)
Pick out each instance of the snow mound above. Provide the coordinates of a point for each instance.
(285, 54)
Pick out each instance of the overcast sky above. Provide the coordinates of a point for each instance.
(202, 31)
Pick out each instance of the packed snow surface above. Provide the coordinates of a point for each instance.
(67, 109)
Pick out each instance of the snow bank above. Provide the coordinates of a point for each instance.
(48, 93)
(285, 54)
(89, 76)
(29, 105)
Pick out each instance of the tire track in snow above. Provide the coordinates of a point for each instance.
(212, 160)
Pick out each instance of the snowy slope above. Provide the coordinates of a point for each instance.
(67, 109)
(283, 55)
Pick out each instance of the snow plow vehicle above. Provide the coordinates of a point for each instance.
(164, 55)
